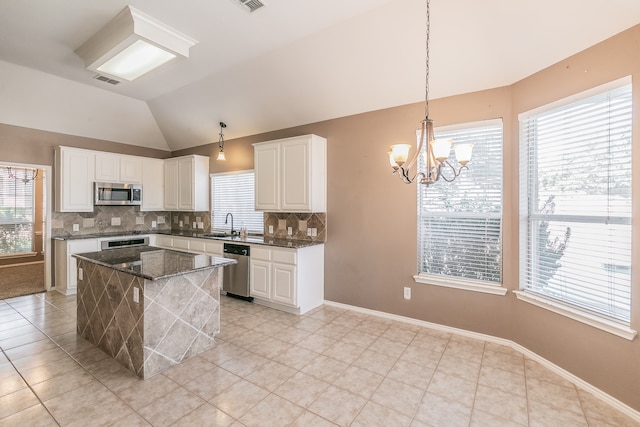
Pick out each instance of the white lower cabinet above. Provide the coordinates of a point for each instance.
(288, 279)
(66, 271)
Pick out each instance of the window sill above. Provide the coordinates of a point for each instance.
(593, 320)
(19, 255)
(461, 284)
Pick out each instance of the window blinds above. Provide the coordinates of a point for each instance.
(234, 193)
(16, 211)
(459, 230)
(577, 186)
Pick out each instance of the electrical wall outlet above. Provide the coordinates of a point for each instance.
(76, 227)
(154, 224)
(314, 232)
(290, 231)
(407, 292)
(271, 229)
(201, 225)
(136, 294)
(80, 274)
(309, 232)
(194, 225)
(181, 224)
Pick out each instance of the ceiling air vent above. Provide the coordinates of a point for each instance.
(250, 5)
(106, 79)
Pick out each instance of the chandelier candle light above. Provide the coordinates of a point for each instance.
(438, 150)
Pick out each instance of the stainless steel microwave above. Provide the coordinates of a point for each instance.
(106, 193)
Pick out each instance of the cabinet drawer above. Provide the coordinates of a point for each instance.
(283, 257)
(260, 253)
(181, 243)
(197, 245)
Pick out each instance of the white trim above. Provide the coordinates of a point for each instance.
(212, 174)
(582, 316)
(577, 97)
(610, 400)
(467, 285)
(19, 255)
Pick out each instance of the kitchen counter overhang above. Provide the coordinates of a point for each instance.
(149, 308)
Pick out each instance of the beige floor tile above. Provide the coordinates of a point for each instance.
(89, 402)
(89, 356)
(558, 396)
(317, 343)
(292, 335)
(17, 401)
(507, 381)
(239, 398)
(309, 419)
(388, 347)
(343, 352)
(412, 374)
(453, 388)
(429, 342)
(334, 331)
(505, 361)
(536, 371)
(212, 383)
(21, 340)
(483, 419)
(112, 374)
(502, 404)
(542, 415)
(375, 362)
(244, 364)
(131, 420)
(278, 412)
(11, 383)
(400, 335)
(464, 350)
(359, 338)
(145, 392)
(205, 415)
(269, 347)
(359, 381)
(221, 352)
(308, 324)
(189, 370)
(424, 358)
(171, 407)
(325, 368)
(302, 389)
(296, 357)
(49, 370)
(63, 383)
(338, 406)
(377, 415)
(468, 369)
(372, 327)
(271, 375)
(35, 416)
(437, 411)
(40, 358)
(600, 413)
(27, 350)
(398, 396)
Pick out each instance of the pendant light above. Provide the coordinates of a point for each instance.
(221, 155)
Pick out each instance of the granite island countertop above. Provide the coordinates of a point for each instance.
(251, 239)
(152, 263)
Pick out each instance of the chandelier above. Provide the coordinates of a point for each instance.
(221, 155)
(26, 175)
(438, 150)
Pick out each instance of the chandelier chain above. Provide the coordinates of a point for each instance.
(426, 84)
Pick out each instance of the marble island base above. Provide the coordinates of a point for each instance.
(148, 325)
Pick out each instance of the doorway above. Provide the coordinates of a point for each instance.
(25, 229)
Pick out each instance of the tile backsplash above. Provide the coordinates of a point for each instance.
(197, 222)
(108, 219)
(304, 226)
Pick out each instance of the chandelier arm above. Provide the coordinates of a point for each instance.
(420, 144)
(455, 173)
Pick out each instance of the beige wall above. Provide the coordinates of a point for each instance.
(371, 244)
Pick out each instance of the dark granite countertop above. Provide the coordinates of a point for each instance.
(153, 263)
(256, 240)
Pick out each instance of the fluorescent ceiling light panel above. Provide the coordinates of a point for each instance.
(132, 44)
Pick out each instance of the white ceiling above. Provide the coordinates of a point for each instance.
(296, 62)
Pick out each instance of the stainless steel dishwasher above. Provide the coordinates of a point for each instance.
(236, 277)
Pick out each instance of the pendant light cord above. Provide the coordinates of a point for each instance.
(426, 85)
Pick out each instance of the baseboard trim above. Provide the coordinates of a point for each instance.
(620, 406)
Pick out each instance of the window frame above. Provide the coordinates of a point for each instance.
(237, 221)
(494, 288)
(556, 305)
(14, 223)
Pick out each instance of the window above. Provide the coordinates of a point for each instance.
(234, 193)
(460, 222)
(575, 203)
(16, 211)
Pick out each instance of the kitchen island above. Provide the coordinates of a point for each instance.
(149, 308)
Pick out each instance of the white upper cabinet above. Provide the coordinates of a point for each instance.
(118, 168)
(291, 174)
(74, 176)
(186, 183)
(152, 184)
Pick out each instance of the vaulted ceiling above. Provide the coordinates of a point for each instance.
(295, 62)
